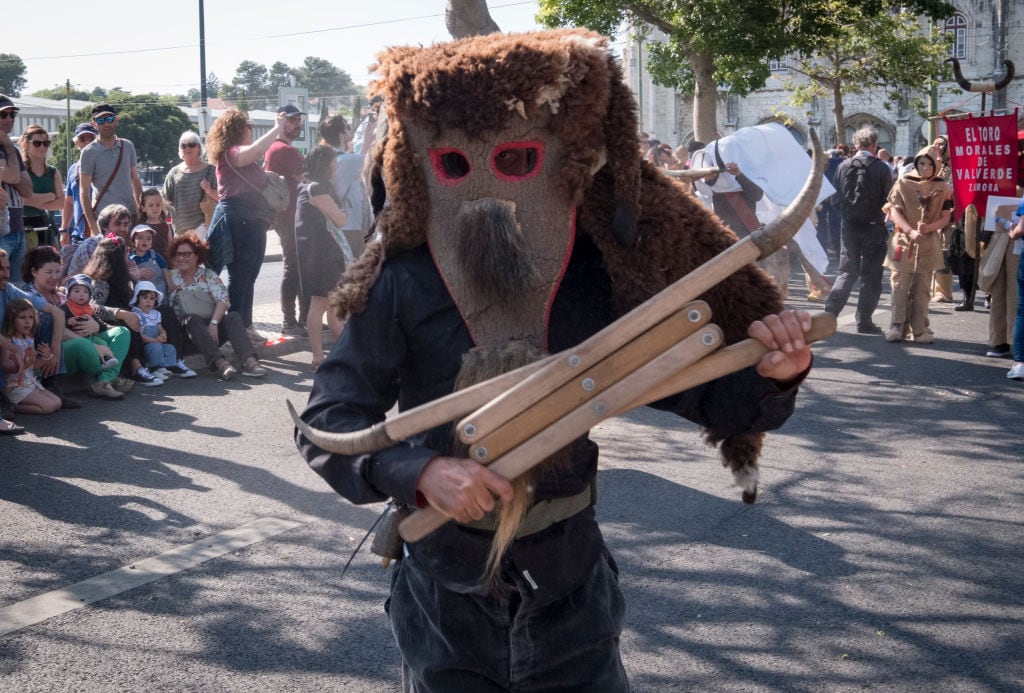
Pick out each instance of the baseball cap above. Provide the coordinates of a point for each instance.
(83, 128)
(101, 108)
(80, 280)
(140, 228)
(290, 110)
(5, 102)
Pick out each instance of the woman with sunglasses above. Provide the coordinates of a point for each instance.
(47, 185)
(188, 184)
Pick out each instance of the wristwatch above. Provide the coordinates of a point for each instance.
(214, 321)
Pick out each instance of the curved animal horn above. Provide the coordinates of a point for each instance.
(718, 158)
(1010, 70)
(987, 86)
(777, 233)
(373, 438)
(958, 75)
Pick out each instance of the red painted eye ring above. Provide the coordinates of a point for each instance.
(528, 166)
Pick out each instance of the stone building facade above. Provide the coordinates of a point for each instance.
(985, 32)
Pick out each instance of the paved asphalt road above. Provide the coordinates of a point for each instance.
(175, 541)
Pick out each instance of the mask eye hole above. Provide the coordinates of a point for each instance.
(517, 160)
(450, 165)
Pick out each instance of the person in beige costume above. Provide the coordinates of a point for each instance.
(917, 204)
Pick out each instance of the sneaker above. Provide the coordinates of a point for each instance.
(110, 362)
(1017, 372)
(294, 329)
(122, 384)
(895, 334)
(103, 389)
(162, 373)
(964, 307)
(924, 338)
(254, 371)
(181, 370)
(869, 328)
(146, 377)
(939, 298)
(1000, 351)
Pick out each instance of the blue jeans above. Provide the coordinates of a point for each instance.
(14, 244)
(249, 238)
(466, 642)
(861, 257)
(1018, 323)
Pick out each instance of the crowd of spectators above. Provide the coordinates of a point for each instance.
(129, 286)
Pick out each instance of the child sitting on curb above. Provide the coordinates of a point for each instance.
(161, 357)
(22, 386)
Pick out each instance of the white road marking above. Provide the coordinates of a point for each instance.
(37, 609)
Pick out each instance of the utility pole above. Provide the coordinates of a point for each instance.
(69, 129)
(202, 113)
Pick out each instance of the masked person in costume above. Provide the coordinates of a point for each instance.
(519, 219)
(919, 209)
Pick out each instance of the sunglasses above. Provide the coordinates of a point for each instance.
(184, 253)
(10, 113)
(40, 143)
(189, 145)
(105, 119)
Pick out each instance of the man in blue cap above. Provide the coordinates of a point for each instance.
(72, 224)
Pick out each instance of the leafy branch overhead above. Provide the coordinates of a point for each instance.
(888, 51)
(713, 43)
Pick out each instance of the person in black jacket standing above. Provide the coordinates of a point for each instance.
(863, 182)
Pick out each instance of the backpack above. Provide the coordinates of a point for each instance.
(859, 203)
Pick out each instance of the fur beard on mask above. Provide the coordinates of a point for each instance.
(480, 364)
(491, 251)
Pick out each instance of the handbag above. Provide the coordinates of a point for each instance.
(197, 303)
(992, 261)
(339, 238)
(275, 193)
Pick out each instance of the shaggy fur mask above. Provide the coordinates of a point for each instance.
(491, 145)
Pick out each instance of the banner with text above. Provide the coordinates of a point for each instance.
(983, 156)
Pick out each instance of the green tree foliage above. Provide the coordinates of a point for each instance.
(889, 51)
(323, 79)
(257, 87)
(12, 74)
(720, 42)
(250, 78)
(153, 124)
(60, 93)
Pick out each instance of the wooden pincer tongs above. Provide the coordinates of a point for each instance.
(663, 346)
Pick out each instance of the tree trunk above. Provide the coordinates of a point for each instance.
(705, 98)
(837, 109)
(468, 18)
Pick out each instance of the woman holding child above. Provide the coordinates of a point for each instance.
(87, 341)
(200, 301)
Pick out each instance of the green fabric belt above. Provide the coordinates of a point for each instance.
(544, 513)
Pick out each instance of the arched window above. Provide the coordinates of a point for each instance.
(886, 134)
(956, 26)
